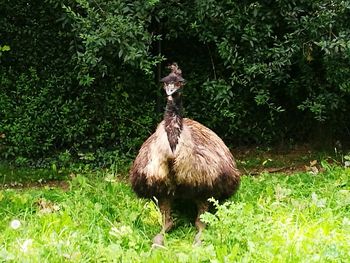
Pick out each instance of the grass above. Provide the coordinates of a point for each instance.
(304, 217)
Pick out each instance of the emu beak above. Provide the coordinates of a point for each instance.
(170, 89)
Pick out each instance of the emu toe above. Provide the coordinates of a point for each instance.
(158, 241)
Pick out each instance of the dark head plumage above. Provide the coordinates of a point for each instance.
(174, 76)
(174, 82)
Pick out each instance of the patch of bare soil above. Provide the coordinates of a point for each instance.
(301, 158)
(64, 185)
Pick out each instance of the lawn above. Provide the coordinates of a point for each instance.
(93, 216)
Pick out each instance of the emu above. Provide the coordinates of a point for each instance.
(184, 160)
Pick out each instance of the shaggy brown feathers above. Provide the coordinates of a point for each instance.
(201, 165)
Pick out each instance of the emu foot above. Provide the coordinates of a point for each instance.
(200, 227)
(197, 239)
(165, 209)
(158, 241)
(202, 207)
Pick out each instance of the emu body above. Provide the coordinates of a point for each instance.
(182, 159)
(200, 167)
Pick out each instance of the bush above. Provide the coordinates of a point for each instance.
(279, 69)
(58, 93)
(49, 118)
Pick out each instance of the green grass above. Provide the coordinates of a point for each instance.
(302, 217)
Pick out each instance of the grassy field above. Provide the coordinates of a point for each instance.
(95, 217)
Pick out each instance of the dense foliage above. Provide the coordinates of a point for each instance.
(82, 75)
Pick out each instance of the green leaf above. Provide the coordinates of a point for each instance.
(5, 48)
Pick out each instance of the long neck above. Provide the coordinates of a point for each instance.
(173, 120)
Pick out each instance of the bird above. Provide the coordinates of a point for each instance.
(182, 160)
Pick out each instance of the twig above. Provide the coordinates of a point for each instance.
(139, 124)
(212, 62)
(268, 170)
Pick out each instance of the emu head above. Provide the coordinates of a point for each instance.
(174, 81)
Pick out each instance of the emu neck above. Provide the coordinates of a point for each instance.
(173, 120)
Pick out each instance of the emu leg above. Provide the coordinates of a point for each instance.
(165, 209)
(202, 207)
